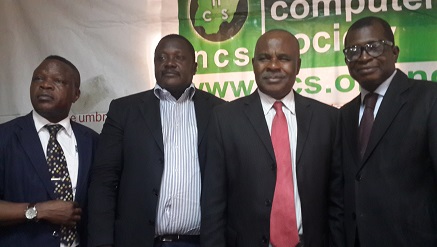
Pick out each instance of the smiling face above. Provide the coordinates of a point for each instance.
(174, 64)
(276, 63)
(368, 71)
(54, 88)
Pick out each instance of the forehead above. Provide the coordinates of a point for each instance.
(54, 66)
(276, 42)
(172, 45)
(365, 35)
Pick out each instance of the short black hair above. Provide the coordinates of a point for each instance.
(182, 38)
(70, 64)
(371, 20)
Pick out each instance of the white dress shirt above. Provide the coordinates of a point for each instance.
(178, 209)
(381, 90)
(68, 143)
(289, 110)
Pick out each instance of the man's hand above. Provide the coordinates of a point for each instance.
(59, 212)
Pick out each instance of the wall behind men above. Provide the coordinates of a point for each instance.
(112, 44)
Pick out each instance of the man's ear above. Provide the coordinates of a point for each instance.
(76, 95)
(195, 68)
(396, 51)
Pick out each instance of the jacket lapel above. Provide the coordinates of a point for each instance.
(253, 111)
(392, 103)
(29, 139)
(84, 149)
(201, 106)
(152, 116)
(303, 118)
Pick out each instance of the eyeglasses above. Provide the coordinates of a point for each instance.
(374, 49)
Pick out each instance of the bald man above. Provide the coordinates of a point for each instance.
(242, 168)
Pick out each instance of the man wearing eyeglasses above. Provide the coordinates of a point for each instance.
(389, 135)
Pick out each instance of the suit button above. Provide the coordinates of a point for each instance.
(268, 203)
(55, 234)
(152, 222)
(161, 161)
(155, 192)
(273, 166)
(264, 240)
(358, 177)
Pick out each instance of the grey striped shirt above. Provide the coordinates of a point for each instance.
(178, 209)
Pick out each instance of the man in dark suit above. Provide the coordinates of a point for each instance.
(31, 213)
(242, 164)
(390, 183)
(145, 185)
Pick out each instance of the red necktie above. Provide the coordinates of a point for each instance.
(366, 122)
(283, 226)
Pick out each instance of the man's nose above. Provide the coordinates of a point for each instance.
(46, 83)
(273, 64)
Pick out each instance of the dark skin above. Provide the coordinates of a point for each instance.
(174, 65)
(368, 71)
(276, 63)
(54, 88)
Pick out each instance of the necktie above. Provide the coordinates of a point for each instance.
(283, 226)
(60, 177)
(366, 122)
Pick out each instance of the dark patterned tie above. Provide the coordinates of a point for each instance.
(366, 122)
(283, 226)
(61, 178)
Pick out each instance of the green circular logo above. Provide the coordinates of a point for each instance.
(218, 20)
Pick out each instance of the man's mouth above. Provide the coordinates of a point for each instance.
(170, 73)
(273, 77)
(44, 97)
(366, 70)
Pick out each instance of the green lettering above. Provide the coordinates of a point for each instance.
(420, 73)
(241, 86)
(311, 82)
(348, 79)
(216, 89)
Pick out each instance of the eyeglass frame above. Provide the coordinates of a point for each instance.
(367, 46)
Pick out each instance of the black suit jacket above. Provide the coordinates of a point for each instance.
(126, 178)
(24, 177)
(391, 195)
(240, 173)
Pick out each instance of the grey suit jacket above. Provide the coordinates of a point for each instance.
(391, 194)
(240, 174)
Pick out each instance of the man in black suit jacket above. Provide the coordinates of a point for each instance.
(30, 212)
(145, 185)
(240, 172)
(391, 191)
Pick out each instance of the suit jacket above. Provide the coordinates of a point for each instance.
(126, 178)
(240, 173)
(391, 194)
(24, 177)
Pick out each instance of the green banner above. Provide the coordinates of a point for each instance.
(224, 32)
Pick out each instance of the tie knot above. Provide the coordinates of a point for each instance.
(370, 100)
(278, 106)
(53, 129)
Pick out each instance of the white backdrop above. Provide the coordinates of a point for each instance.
(110, 41)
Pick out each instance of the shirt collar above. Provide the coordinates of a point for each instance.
(381, 89)
(40, 122)
(164, 94)
(267, 102)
